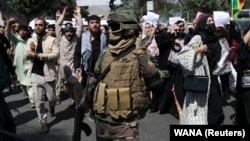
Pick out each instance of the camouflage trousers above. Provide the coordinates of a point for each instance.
(108, 129)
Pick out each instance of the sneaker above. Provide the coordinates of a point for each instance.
(32, 105)
(58, 101)
(44, 128)
(52, 111)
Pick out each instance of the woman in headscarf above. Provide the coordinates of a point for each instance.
(199, 58)
(243, 70)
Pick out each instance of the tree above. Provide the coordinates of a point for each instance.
(140, 7)
(30, 9)
(207, 6)
(246, 4)
(184, 8)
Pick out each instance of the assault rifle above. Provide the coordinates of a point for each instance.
(79, 125)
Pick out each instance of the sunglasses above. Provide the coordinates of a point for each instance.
(117, 27)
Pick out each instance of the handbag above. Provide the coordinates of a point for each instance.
(245, 80)
(197, 84)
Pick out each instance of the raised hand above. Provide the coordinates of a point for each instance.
(11, 21)
(64, 10)
(77, 10)
(58, 13)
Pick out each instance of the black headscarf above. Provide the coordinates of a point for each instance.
(201, 29)
(214, 49)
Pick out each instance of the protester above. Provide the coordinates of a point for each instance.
(68, 38)
(85, 28)
(200, 57)
(51, 30)
(104, 28)
(242, 91)
(22, 64)
(147, 29)
(234, 38)
(93, 43)
(173, 94)
(223, 68)
(44, 50)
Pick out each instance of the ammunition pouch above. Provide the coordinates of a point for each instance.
(118, 102)
(99, 99)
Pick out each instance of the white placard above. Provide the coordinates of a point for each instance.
(151, 18)
(1, 19)
(95, 2)
(173, 20)
(221, 17)
(104, 22)
(150, 5)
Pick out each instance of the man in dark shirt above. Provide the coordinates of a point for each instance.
(87, 51)
(92, 43)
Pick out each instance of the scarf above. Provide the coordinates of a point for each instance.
(122, 45)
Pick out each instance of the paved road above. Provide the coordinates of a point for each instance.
(154, 127)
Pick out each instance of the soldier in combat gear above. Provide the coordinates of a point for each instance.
(125, 74)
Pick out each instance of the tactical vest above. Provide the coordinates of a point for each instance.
(122, 92)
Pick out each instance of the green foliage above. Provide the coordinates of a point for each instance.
(246, 4)
(140, 7)
(207, 6)
(36, 8)
(165, 9)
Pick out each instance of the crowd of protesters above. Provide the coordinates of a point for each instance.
(58, 54)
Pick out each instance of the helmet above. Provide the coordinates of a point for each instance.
(123, 18)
